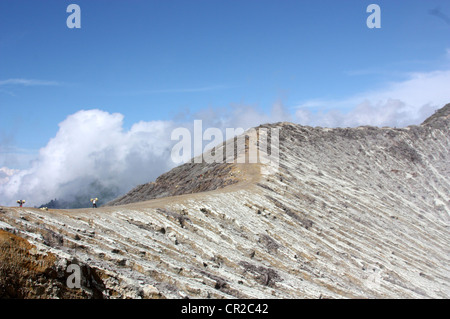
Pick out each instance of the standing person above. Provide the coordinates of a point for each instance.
(94, 202)
(21, 202)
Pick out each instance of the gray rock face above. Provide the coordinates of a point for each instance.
(348, 213)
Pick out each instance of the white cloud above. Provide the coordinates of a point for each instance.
(243, 116)
(92, 151)
(15, 156)
(91, 148)
(28, 82)
(398, 104)
(6, 173)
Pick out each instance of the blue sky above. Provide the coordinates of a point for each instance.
(153, 59)
(170, 60)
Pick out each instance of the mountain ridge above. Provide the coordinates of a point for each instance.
(347, 213)
(193, 178)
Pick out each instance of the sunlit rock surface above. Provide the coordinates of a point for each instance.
(348, 213)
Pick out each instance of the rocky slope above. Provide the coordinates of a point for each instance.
(348, 213)
(193, 177)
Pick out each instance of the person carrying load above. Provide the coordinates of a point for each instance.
(21, 202)
(94, 202)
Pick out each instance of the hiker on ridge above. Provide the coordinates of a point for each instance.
(94, 202)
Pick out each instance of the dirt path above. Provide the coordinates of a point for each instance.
(251, 176)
